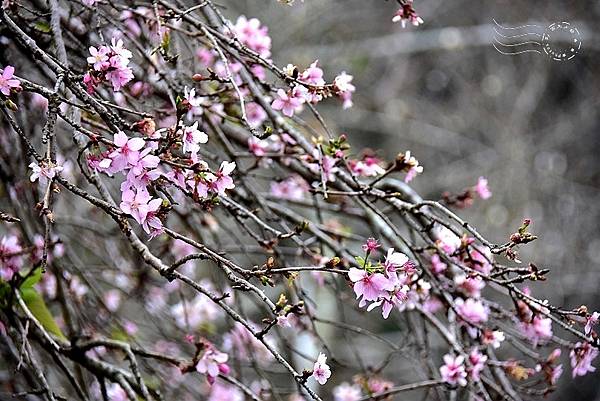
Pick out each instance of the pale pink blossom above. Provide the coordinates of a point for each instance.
(344, 88)
(258, 147)
(212, 363)
(538, 329)
(192, 137)
(288, 102)
(10, 259)
(437, 266)
(321, 371)
(368, 167)
(369, 286)
(44, 172)
(292, 188)
(223, 392)
(477, 364)
(493, 338)
(99, 58)
(126, 152)
(470, 286)
(223, 180)
(7, 82)
(396, 297)
(394, 260)
(413, 167)
(453, 371)
(139, 204)
(482, 188)
(582, 357)
(347, 392)
(256, 114)
(252, 34)
(472, 311)
(112, 300)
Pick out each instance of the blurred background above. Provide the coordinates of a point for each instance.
(527, 123)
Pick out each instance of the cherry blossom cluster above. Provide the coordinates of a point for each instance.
(135, 158)
(311, 88)
(108, 63)
(386, 284)
(15, 256)
(198, 301)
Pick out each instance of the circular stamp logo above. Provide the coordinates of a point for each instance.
(561, 41)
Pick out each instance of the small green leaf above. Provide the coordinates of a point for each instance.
(33, 279)
(43, 26)
(39, 310)
(360, 260)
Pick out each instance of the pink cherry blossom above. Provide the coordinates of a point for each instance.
(256, 114)
(99, 58)
(453, 371)
(205, 56)
(371, 245)
(44, 172)
(582, 357)
(119, 77)
(397, 297)
(477, 361)
(10, 259)
(252, 34)
(293, 188)
(126, 152)
(413, 168)
(212, 362)
(368, 167)
(470, 286)
(287, 102)
(472, 311)
(109, 63)
(347, 392)
(482, 188)
(321, 371)
(539, 329)
(7, 82)
(344, 88)
(139, 204)
(258, 147)
(493, 338)
(112, 300)
(313, 75)
(324, 165)
(437, 266)
(223, 180)
(192, 138)
(394, 260)
(222, 392)
(369, 286)
(447, 240)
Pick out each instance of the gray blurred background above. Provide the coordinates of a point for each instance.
(526, 122)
